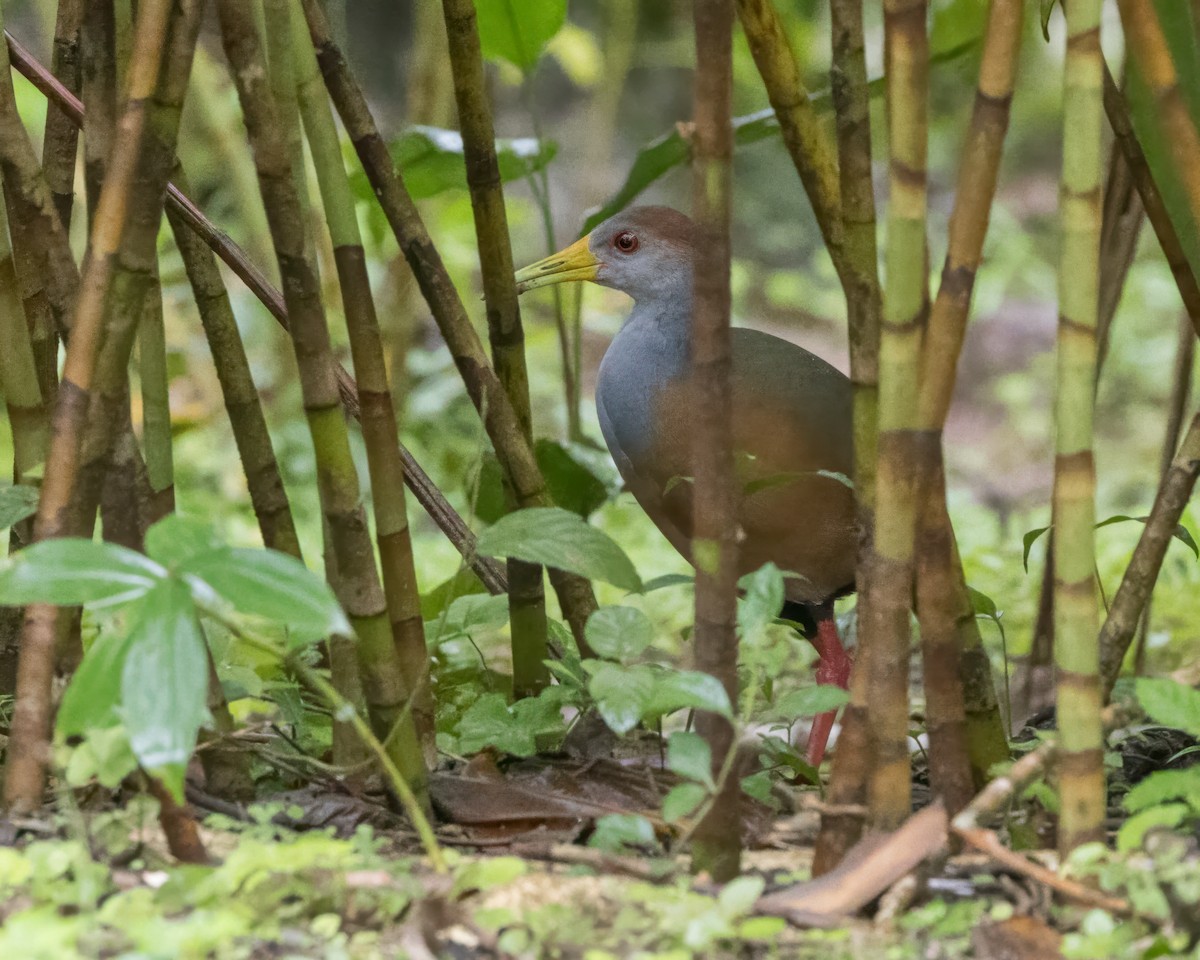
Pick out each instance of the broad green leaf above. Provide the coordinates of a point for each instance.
(1170, 703)
(622, 694)
(668, 580)
(94, 694)
(462, 583)
(682, 800)
(164, 683)
(689, 756)
(982, 605)
(738, 897)
(809, 702)
(761, 603)
(670, 150)
(518, 30)
(71, 571)
(619, 633)
(572, 483)
(490, 722)
(558, 538)
(617, 831)
(675, 689)
(274, 586)
(104, 755)
(474, 612)
(176, 538)
(17, 503)
(1164, 785)
(1133, 831)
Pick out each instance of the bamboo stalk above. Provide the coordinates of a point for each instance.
(885, 631)
(380, 429)
(1076, 651)
(357, 584)
(852, 112)
(717, 843)
(1149, 49)
(526, 594)
(26, 767)
(60, 142)
(487, 393)
(189, 215)
(964, 743)
(807, 142)
(98, 89)
(156, 402)
(1138, 581)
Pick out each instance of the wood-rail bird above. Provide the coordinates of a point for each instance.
(792, 425)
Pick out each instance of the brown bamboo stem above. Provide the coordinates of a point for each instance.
(716, 843)
(26, 767)
(98, 89)
(61, 140)
(484, 387)
(188, 214)
(526, 593)
(1144, 565)
(357, 583)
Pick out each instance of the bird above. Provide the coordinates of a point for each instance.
(792, 425)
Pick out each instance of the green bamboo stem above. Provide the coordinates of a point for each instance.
(379, 426)
(966, 732)
(156, 402)
(483, 386)
(885, 629)
(1076, 620)
(526, 594)
(98, 89)
(1150, 52)
(242, 404)
(717, 843)
(188, 215)
(26, 767)
(357, 585)
(1138, 582)
(852, 112)
(807, 142)
(61, 139)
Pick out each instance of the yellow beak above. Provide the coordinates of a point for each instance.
(573, 263)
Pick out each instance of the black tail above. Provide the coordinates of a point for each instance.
(807, 615)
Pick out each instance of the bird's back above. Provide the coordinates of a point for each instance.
(792, 441)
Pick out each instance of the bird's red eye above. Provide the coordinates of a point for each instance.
(626, 242)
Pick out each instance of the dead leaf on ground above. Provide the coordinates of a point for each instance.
(1018, 938)
(871, 867)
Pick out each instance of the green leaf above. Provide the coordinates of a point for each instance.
(762, 601)
(617, 831)
(474, 612)
(622, 694)
(738, 897)
(1047, 9)
(490, 722)
(71, 571)
(689, 756)
(518, 30)
(1027, 542)
(164, 683)
(982, 605)
(668, 580)
(431, 160)
(1170, 703)
(93, 696)
(572, 485)
(675, 689)
(558, 538)
(1133, 831)
(177, 538)
(1180, 533)
(682, 800)
(274, 586)
(17, 503)
(809, 702)
(461, 584)
(619, 633)
(1162, 786)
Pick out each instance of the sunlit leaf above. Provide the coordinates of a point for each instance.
(689, 756)
(274, 586)
(164, 682)
(518, 30)
(619, 633)
(17, 503)
(561, 539)
(1170, 703)
(71, 571)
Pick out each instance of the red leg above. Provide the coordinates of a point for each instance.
(833, 668)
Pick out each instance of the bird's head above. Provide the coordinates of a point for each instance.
(645, 252)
